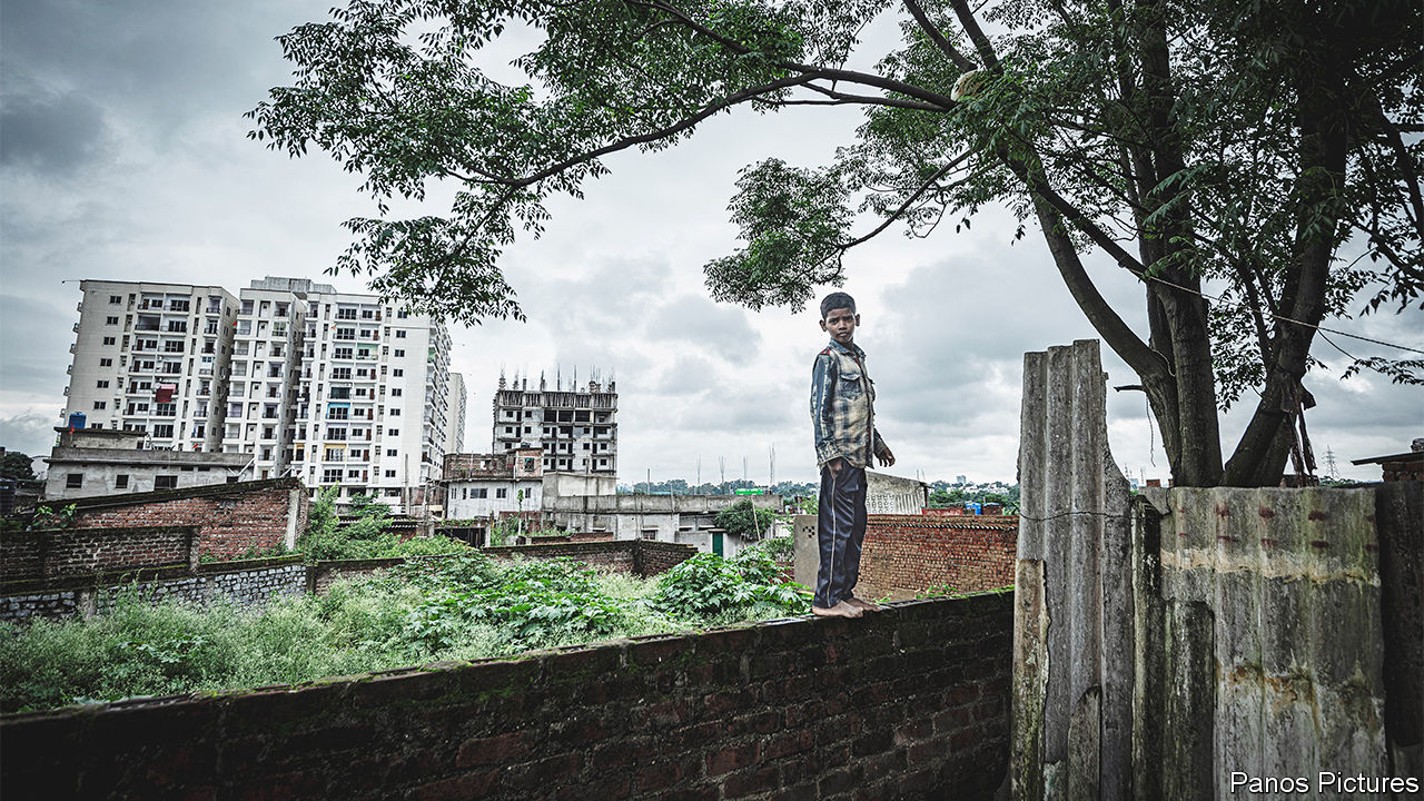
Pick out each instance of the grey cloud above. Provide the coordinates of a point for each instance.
(56, 136)
(722, 331)
(30, 434)
(34, 344)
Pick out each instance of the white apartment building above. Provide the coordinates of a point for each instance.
(266, 359)
(152, 358)
(455, 415)
(370, 412)
(334, 388)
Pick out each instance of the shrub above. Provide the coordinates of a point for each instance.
(745, 520)
(710, 589)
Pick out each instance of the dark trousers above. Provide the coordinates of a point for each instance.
(840, 529)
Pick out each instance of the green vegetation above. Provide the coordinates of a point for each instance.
(746, 521)
(367, 537)
(461, 607)
(943, 494)
(16, 465)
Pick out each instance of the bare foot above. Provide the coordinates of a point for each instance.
(841, 609)
(864, 605)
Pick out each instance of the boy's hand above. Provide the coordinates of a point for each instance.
(887, 458)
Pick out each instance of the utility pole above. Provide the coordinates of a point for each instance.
(722, 470)
(771, 482)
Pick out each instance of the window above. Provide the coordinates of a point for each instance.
(398, 372)
(101, 404)
(399, 352)
(345, 333)
(165, 482)
(390, 474)
(394, 432)
(480, 493)
(402, 314)
(340, 374)
(106, 362)
(395, 412)
(342, 353)
(336, 433)
(109, 340)
(163, 431)
(399, 334)
(331, 476)
(346, 314)
(395, 392)
(392, 452)
(102, 384)
(501, 492)
(74, 481)
(111, 321)
(116, 298)
(121, 481)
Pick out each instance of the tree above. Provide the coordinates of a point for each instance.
(18, 466)
(746, 521)
(1240, 144)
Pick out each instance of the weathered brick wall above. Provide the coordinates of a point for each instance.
(907, 554)
(324, 574)
(641, 557)
(248, 583)
(76, 551)
(21, 554)
(232, 519)
(908, 704)
(655, 558)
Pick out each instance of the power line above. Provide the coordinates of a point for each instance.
(1283, 318)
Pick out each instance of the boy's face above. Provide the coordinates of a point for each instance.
(840, 324)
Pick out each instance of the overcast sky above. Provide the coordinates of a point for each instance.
(123, 156)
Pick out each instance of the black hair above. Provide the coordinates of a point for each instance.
(837, 300)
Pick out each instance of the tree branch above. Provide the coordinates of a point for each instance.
(722, 104)
(959, 59)
(976, 34)
(910, 201)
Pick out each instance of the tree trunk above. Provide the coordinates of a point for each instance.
(1323, 108)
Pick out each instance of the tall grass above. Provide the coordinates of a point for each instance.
(464, 607)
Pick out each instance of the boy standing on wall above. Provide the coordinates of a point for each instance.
(842, 414)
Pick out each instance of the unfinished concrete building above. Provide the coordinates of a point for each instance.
(576, 428)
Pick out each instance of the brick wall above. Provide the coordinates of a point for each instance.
(641, 557)
(323, 574)
(232, 519)
(654, 558)
(907, 554)
(75, 551)
(248, 583)
(908, 704)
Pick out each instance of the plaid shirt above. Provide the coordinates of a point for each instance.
(842, 401)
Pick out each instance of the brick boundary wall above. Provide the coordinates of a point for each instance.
(907, 554)
(908, 704)
(232, 519)
(640, 557)
(322, 575)
(249, 583)
(48, 553)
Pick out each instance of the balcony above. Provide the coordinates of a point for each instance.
(76, 328)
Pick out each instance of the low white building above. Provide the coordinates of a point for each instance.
(481, 488)
(894, 495)
(89, 462)
(684, 519)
